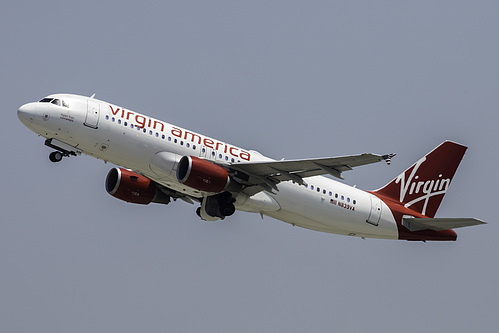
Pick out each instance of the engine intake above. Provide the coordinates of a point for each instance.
(131, 187)
(202, 175)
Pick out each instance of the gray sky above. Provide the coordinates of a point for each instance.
(292, 79)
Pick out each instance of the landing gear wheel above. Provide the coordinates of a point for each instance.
(55, 156)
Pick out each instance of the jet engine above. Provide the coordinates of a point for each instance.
(131, 187)
(202, 175)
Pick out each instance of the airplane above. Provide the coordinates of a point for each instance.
(157, 162)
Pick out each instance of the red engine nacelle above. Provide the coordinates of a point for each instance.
(130, 187)
(202, 175)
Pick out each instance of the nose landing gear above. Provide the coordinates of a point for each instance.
(63, 149)
(55, 156)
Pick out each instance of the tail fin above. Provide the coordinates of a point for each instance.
(423, 186)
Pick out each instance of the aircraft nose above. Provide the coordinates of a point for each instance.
(26, 113)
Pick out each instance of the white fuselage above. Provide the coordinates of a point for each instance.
(152, 147)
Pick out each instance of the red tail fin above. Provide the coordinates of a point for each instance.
(423, 186)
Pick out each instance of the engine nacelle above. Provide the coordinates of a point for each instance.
(202, 175)
(131, 187)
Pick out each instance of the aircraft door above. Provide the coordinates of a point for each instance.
(375, 214)
(93, 111)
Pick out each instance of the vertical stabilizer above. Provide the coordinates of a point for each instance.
(422, 187)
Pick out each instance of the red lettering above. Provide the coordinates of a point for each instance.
(177, 132)
(114, 112)
(158, 122)
(141, 120)
(245, 155)
(193, 136)
(208, 143)
(231, 151)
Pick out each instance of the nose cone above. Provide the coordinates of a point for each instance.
(26, 113)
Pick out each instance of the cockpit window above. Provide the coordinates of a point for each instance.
(54, 101)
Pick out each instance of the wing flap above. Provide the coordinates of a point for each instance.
(416, 224)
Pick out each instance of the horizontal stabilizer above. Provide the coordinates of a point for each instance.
(416, 224)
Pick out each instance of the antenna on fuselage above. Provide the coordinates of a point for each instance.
(92, 96)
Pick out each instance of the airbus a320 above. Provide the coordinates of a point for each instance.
(159, 162)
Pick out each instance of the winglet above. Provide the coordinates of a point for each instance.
(388, 158)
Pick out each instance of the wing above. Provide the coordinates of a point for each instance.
(266, 175)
